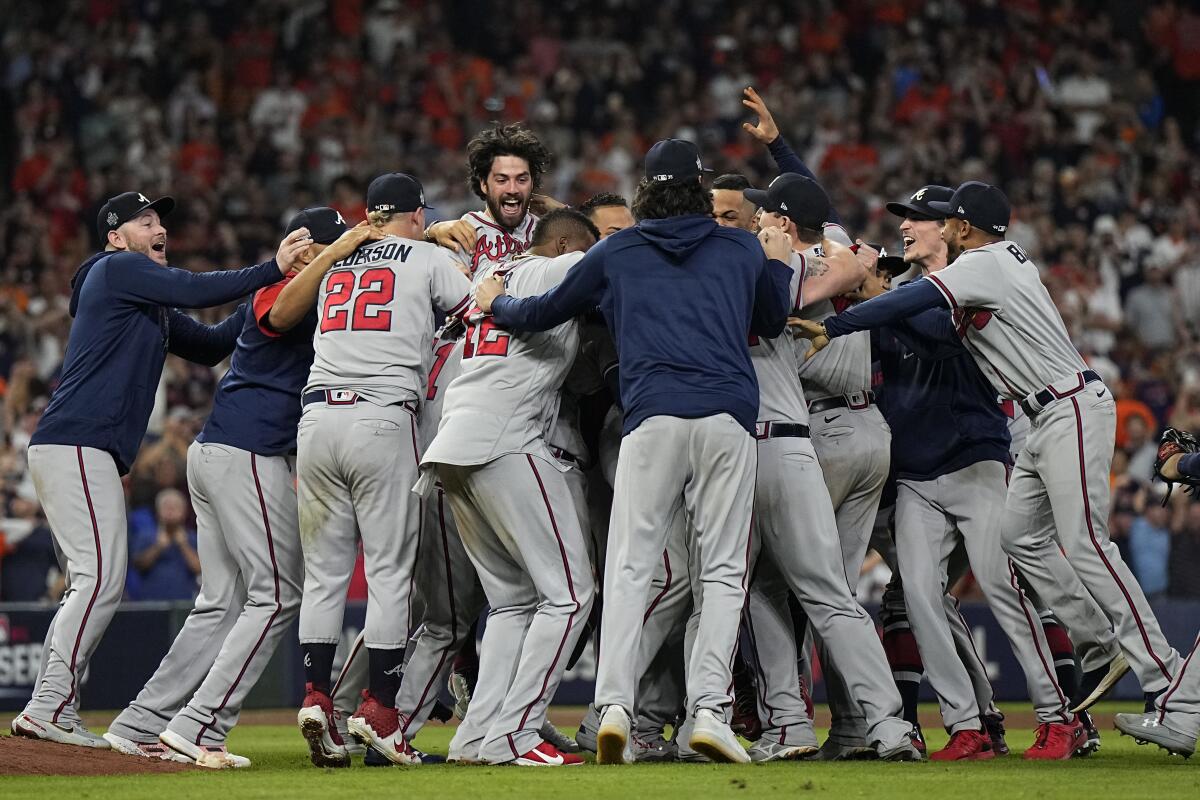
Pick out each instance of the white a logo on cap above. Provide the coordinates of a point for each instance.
(143, 198)
(920, 195)
(339, 218)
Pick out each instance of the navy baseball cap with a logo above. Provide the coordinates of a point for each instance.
(982, 205)
(799, 198)
(395, 191)
(126, 206)
(324, 224)
(917, 206)
(674, 161)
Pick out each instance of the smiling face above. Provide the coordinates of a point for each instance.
(508, 188)
(923, 243)
(143, 234)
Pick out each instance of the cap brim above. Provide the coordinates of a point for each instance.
(758, 197)
(162, 206)
(904, 209)
(892, 265)
(941, 208)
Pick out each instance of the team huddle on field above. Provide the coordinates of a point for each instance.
(666, 429)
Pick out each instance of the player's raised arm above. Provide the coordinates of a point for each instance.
(839, 271)
(205, 344)
(299, 295)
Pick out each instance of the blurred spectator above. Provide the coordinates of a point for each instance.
(1140, 448)
(1184, 580)
(1150, 543)
(27, 561)
(164, 560)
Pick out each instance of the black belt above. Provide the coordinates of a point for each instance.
(1048, 395)
(780, 430)
(345, 397)
(563, 455)
(855, 402)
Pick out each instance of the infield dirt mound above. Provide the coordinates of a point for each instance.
(21, 756)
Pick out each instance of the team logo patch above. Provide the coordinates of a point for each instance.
(112, 218)
(920, 195)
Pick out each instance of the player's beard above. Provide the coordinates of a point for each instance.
(509, 220)
(148, 249)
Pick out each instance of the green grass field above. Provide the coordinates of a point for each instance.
(281, 769)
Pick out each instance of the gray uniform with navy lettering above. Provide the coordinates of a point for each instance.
(1010, 324)
(357, 439)
(516, 514)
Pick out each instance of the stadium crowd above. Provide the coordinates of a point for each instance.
(1085, 112)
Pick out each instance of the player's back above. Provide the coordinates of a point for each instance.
(842, 367)
(376, 318)
(505, 398)
(780, 395)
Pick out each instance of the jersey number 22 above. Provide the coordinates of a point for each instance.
(376, 288)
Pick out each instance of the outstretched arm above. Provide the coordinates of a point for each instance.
(580, 291)
(204, 344)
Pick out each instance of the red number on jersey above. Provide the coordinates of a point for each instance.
(338, 288)
(376, 287)
(439, 360)
(484, 338)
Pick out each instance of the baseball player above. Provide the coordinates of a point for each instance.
(358, 453)
(794, 518)
(1008, 322)
(125, 302)
(689, 415)
(517, 515)
(1174, 722)
(242, 483)
(505, 165)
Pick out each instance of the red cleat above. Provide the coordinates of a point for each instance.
(966, 746)
(1056, 741)
(918, 739)
(378, 727)
(325, 744)
(547, 755)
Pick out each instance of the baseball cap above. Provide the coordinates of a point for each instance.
(800, 199)
(982, 205)
(126, 206)
(395, 191)
(917, 206)
(892, 265)
(674, 161)
(324, 224)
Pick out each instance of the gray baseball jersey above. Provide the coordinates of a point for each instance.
(844, 366)
(505, 400)
(376, 318)
(494, 244)
(780, 395)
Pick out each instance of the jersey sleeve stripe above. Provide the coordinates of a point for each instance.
(945, 292)
(459, 307)
(800, 285)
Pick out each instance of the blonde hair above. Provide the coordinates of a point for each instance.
(378, 219)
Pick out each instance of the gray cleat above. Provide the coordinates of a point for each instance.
(652, 749)
(765, 750)
(833, 750)
(1146, 728)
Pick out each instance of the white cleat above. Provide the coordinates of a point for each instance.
(764, 750)
(153, 750)
(76, 734)
(612, 737)
(202, 755)
(712, 736)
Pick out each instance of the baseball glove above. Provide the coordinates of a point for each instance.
(1175, 442)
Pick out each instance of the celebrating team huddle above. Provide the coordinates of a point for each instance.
(456, 397)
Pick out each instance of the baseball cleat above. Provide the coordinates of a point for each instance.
(612, 737)
(547, 755)
(585, 737)
(1057, 741)
(326, 745)
(966, 746)
(203, 755)
(904, 751)
(155, 749)
(378, 727)
(1147, 729)
(995, 731)
(560, 741)
(1097, 683)
(76, 734)
(1092, 744)
(460, 689)
(833, 750)
(653, 749)
(765, 750)
(917, 737)
(712, 736)
(684, 753)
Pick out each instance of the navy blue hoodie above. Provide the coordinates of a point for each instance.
(126, 322)
(679, 296)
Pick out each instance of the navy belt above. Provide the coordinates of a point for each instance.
(780, 430)
(345, 397)
(1037, 402)
(856, 401)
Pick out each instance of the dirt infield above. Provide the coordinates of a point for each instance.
(21, 756)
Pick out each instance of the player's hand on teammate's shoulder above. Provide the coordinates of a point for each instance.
(488, 290)
(766, 131)
(807, 329)
(543, 204)
(352, 239)
(288, 254)
(776, 244)
(453, 234)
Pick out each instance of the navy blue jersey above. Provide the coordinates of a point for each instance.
(126, 321)
(257, 404)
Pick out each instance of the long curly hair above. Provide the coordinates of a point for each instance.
(654, 200)
(504, 140)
